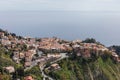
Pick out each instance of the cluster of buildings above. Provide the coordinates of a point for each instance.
(86, 50)
(24, 50)
(116, 57)
(48, 58)
(28, 57)
(90, 46)
(53, 45)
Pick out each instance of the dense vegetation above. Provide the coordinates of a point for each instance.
(91, 40)
(34, 72)
(5, 61)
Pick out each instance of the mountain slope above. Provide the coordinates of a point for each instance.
(47, 58)
(99, 69)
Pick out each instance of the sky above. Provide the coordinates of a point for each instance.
(67, 19)
(67, 5)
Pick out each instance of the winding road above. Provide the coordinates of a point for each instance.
(63, 56)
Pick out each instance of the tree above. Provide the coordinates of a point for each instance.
(89, 40)
(13, 34)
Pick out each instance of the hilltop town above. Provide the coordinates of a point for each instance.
(46, 52)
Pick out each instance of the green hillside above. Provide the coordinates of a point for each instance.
(56, 59)
(100, 69)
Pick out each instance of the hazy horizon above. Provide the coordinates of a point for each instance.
(70, 25)
(67, 19)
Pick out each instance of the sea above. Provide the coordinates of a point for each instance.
(70, 25)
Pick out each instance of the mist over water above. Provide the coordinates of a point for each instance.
(70, 25)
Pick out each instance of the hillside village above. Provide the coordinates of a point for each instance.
(30, 52)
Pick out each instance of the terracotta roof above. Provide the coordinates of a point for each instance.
(28, 78)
